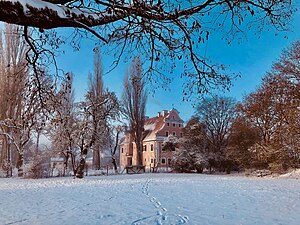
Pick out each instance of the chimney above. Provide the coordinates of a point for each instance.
(164, 112)
(158, 114)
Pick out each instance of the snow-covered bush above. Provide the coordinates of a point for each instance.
(38, 167)
(189, 160)
(182, 161)
(170, 143)
(191, 152)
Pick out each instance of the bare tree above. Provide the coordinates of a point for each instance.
(274, 110)
(84, 125)
(20, 105)
(217, 114)
(23, 97)
(284, 79)
(95, 94)
(62, 129)
(114, 144)
(93, 123)
(13, 75)
(134, 104)
(160, 29)
(242, 139)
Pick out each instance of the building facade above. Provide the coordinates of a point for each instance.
(156, 131)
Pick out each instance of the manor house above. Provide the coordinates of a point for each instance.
(156, 131)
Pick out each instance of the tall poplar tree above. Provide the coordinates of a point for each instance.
(13, 79)
(95, 94)
(134, 104)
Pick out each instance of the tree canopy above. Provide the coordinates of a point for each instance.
(273, 110)
(159, 29)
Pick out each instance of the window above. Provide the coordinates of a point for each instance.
(122, 150)
(152, 161)
(163, 161)
(181, 134)
(167, 133)
(179, 125)
(174, 134)
(174, 125)
(151, 148)
(168, 124)
(169, 161)
(145, 147)
(173, 117)
(162, 146)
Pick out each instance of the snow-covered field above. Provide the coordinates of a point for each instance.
(150, 199)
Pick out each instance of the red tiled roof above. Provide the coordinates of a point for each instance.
(154, 124)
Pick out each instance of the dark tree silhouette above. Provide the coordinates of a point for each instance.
(134, 105)
(217, 114)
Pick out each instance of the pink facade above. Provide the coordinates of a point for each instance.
(156, 131)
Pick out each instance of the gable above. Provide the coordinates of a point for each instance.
(155, 126)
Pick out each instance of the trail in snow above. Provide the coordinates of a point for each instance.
(162, 217)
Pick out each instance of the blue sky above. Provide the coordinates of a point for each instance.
(251, 57)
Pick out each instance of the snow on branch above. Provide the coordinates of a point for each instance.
(46, 15)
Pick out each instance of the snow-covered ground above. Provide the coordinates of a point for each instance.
(293, 174)
(151, 199)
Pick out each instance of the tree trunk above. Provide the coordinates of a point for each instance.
(6, 157)
(9, 159)
(73, 163)
(114, 164)
(20, 161)
(96, 158)
(4, 153)
(80, 168)
(139, 155)
(37, 141)
(66, 163)
(139, 149)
